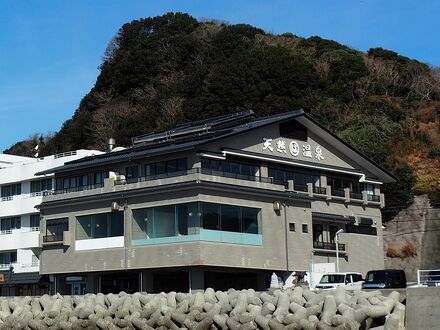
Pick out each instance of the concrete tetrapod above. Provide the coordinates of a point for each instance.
(276, 309)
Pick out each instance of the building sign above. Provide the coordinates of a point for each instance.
(304, 150)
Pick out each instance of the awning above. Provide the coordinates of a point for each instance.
(19, 278)
(317, 216)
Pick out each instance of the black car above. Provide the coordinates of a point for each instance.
(386, 278)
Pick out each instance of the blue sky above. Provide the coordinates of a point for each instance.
(50, 50)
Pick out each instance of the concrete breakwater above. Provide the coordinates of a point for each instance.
(297, 308)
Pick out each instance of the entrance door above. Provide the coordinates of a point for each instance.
(77, 288)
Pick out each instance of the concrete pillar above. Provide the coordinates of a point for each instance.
(264, 172)
(328, 193)
(310, 189)
(323, 180)
(197, 280)
(347, 195)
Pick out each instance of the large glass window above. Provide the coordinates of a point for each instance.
(132, 172)
(11, 190)
(9, 224)
(230, 218)
(211, 216)
(166, 221)
(318, 235)
(340, 183)
(233, 168)
(35, 221)
(188, 218)
(166, 167)
(72, 183)
(100, 225)
(41, 185)
(55, 229)
(7, 258)
(300, 179)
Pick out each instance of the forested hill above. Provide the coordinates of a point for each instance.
(160, 71)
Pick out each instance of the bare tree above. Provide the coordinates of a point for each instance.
(106, 120)
(170, 107)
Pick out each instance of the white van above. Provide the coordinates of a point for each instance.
(333, 280)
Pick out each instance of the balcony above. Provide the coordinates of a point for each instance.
(74, 189)
(319, 190)
(328, 246)
(157, 177)
(338, 193)
(195, 171)
(355, 195)
(373, 198)
(59, 237)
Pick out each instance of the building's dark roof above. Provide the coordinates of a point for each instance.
(195, 134)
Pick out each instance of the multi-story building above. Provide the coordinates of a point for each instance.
(221, 203)
(21, 191)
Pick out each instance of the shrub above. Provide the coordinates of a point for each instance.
(408, 250)
(434, 152)
(392, 252)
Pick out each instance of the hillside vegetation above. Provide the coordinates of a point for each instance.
(157, 72)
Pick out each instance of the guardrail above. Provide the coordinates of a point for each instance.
(428, 277)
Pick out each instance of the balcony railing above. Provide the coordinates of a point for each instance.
(79, 188)
(300, 187)
(7, 198)
(337, 192)
(328, 246)
(319, 190)
(53, 238)
(193, 171)
(373, 198)
(5, 266)
(355, 195)
(6, 232)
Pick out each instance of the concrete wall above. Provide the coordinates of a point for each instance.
(422, 308)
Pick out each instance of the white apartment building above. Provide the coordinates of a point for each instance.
(21, 190)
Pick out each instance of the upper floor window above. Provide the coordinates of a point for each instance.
(188, 218)
(132, 172)
(35, 221)
(74, 183)
(233, 167)
(340, 183)
(299, 178)
(165, 167)
(41, 185)
(98, 178)
(11, 190)
(100, 225)
(55, 229)
(9, 224)
(7, 258)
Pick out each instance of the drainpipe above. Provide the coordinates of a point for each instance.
(285, 235)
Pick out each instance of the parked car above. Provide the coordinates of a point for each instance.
(434, 278)
(386, 278)
(333, 280)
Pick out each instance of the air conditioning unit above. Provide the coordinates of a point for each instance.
(120, 179)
